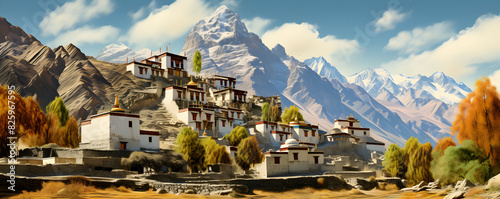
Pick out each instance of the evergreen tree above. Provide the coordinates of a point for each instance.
(190, 146)
(289, 114)
(57, 106)
(197, 62)
(265, 111)
(237, 134)
(248, 153)
(394, 161)
(275, 113)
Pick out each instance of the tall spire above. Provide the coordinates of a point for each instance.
(116, 107)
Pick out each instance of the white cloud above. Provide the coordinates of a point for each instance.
(74, 12)
(460, 55)
(87, 35)
(257, 25)
(419, 39)
(302, 41)
(495, 79)
(167, 23)
(142, 11)
(230, 3)
(389, 20)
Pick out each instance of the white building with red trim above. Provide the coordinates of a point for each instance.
(278, 133)
(164, 65)
(291, 158)
(116, 130)
(350, 129)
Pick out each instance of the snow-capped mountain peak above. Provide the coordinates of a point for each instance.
(118, 53)
(438, 85)
(325, 69)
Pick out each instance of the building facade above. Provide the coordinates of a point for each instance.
(116, 130)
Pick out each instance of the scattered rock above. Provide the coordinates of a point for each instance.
(161, 191)
(189, 191)
(456, 195)
(493, 183)
(419, 187)
(362, 184)
(460, 189)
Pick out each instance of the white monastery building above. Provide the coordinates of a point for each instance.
(291, 158)
(351, 129)
(117, 130)
(163, 65)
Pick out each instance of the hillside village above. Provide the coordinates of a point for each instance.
(159, 124)
(213, 107)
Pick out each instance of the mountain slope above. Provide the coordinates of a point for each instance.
(323, 68)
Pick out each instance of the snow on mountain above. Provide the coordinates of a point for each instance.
(325, 69)
(227, 48)
(437, 86)
(118, 53)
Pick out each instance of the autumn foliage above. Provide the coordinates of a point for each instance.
(479, 120)
(443, 144)
(33, 126)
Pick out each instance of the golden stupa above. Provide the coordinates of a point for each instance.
(116, 107)
(191, 83)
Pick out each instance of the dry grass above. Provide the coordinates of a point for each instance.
(475, 191)
(76, 187)
(388, 187)
(120, 189)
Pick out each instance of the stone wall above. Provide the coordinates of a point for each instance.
(353, 174)
(279, 184)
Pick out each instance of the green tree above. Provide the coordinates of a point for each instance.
(248, 153)
(462, 162)
(394, 161)
(57, 106)
(190, 146)
(411, 146)
(215, 153)
(419, 165)
(275, 114)
(265, 112)
(197, 62)
(289, 114)
(237, 134)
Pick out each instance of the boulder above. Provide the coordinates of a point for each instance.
(189, 191)
(419, 187)
(362, 184)
(460, 189)
(493, 183)
(161, 191)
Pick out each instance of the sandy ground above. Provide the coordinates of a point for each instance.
(294, 194)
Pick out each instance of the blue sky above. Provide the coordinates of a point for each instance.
(459, 38)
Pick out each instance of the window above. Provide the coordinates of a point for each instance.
(223, 123)
(352, 132)
(179, 94)
(203, 97)
(238, 115)
(316, 159)
(232, 114)
(198, 125)
(276, 160)
(130, 124)
(272, 127)
(295, 156)
(364, 132)
(209, 116)
(305, 133)
(140, 70)
(150, 139)
(313, 133)
(281, 137)
(223, 97)
(194, 115)
(123, 145)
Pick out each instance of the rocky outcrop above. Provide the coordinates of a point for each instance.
(460, 189)
(493, 183)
